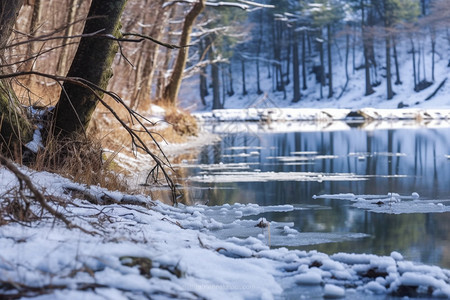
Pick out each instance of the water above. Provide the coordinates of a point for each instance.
(295, 166)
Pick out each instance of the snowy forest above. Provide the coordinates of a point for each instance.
(299, 49)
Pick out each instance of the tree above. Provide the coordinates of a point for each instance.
(326, 13)
(366, 50)
(15, 129)
(173, 87)
(92, 63)
(389, 8)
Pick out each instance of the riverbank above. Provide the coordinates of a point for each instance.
(123, 246)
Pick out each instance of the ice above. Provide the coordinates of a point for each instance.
(391, 203)
(333, 291)
(228, 177)
(311, 277)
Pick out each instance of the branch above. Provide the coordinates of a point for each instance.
(146, 37)
(38, 195)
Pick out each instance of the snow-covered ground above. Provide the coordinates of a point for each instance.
(136, 248)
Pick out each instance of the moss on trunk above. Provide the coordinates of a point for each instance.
(15, 128)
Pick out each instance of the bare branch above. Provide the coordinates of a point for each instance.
(38, 195)
(146, 37)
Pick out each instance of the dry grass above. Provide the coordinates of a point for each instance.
(182, 122)
(81, 160)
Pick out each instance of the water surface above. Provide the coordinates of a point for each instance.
(298, 166)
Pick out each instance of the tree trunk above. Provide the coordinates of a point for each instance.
(304, 59)
(203, 84)
(397, 70)
(216, 86)
(390, 93)
(295, 70)
(63, 59)
(32, 48)
(330, 65)
(244, 88)
(369, 89)
(322, 64)
(230, 80)
(258, 53)
(15, 128)
(387, 25)
(433, 50)
(171, 91)
(92, 62)
(413, 51)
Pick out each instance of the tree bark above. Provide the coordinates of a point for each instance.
(63, 59)
(295, 70)
(92, 63)
(387, 24)
(304, 59)
(244, 87)
(330, 64)
(397, 70)
(171, 91)
(369, 89)
(15, 128)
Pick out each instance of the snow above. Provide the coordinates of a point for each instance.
(149, 249)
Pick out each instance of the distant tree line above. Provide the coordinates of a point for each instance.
(227, 40)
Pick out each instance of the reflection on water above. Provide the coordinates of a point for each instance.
(291, 167)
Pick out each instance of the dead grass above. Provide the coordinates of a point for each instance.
(81, 160)
(182, 122)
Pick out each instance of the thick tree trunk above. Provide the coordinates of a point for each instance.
(15, 128)
(92, 62)
(171, 91)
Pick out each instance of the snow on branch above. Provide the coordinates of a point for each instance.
(243, 4)
(256, 4)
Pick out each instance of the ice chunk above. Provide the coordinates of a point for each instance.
(309, 278)
(333, 291)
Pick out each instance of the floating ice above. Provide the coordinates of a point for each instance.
(333, 291)
(227, 177)
(392, 203)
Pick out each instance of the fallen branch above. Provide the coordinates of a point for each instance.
(38, 195)
(436, 90)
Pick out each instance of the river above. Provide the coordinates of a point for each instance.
(338, 179)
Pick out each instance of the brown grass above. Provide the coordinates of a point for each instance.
(81, 160)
